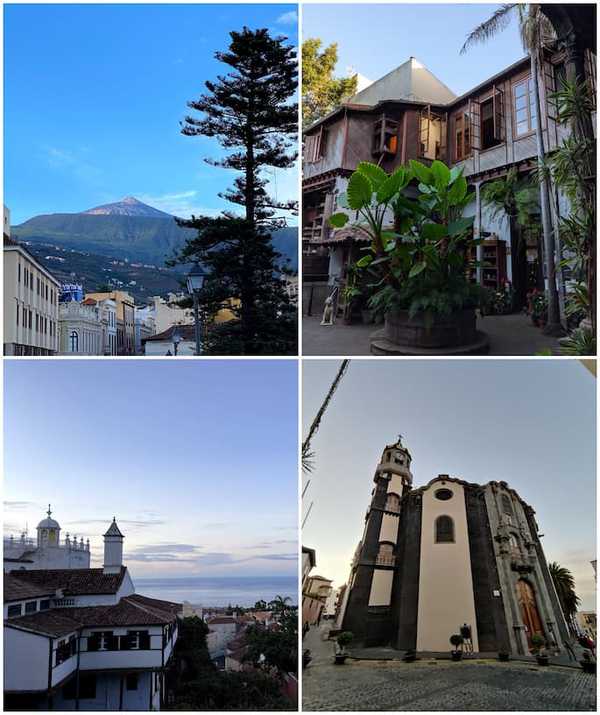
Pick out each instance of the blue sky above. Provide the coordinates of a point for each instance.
(197, 461)
(93, 99)
(374, 39)
(530, 423)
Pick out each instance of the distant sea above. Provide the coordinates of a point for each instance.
(215, 591)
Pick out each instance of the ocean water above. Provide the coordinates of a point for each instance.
(219, 591)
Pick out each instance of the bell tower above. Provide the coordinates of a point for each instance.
(48, 532)
(369, 610)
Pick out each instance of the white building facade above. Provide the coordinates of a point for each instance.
(80, 328)
(82, 639)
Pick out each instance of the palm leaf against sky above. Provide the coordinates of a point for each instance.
(499, 21)
(565, 588)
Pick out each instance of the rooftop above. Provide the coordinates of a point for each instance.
(73, 582)
(130, 611)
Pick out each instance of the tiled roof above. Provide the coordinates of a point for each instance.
(187, 332)
(73, 582)
(224, 619)
(113, 529)
(130, 611)
(17, 590)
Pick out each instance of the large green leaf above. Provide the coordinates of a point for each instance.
(441, 174)
(338, 220)
(455, 172)
(434, 231)
(364, 261)
(460, 225)
(359, 191)
(422, 173)
(375, 174)
(416, 269)
(391, 186)
(457, 191)
(342, 201)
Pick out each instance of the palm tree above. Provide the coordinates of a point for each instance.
(564, 583)
(280, 603)
(536, 31)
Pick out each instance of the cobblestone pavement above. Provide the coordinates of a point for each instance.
(508, 334)
(440, 685)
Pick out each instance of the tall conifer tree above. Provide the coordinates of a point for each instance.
(251, 112)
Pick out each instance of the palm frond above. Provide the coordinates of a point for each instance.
(499, 21)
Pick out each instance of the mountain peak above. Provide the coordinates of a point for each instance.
(128, 206)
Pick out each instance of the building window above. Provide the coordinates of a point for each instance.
(44, 604)
(444, 530)
(17, 314)
(63, 651)
(136, 640)
(524, 107)
(31, 607)
(19, 272)
(507, 505)
(462, 136)
(392, 503)
(492, 121)
(315, 146)
(102, 640)
(14, 611)
(132, 681)
(385, 136)
(30, 319)
(74, 342)
(443, 494)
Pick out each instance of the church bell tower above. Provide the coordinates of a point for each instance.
(369, 610)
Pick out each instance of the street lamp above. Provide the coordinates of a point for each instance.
(176, 338)
(195, 281)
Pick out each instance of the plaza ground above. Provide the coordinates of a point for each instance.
(477, 685)
(508, 334)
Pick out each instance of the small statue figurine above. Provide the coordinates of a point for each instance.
(328, 311)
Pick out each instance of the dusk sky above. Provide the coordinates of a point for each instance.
(196, 459)
(93, 98)
(530, 423)
(433, 33)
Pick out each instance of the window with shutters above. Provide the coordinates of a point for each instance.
(392, 503)
(385, 136)
(492, 121)
(444, 530)
(462, 136)
(315, 146)
(524, 107)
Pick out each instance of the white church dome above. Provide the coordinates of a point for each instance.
(48, 523)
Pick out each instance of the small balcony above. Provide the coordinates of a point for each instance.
(385, 560)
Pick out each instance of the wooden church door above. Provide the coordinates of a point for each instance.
(529, 610)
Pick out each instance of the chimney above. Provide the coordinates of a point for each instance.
(113, 549)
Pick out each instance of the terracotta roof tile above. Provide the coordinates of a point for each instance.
(73, 582)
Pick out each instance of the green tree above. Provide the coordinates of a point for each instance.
(564, 583)
(276, 647)
(321, 91)
(536, 32)
(251, 113)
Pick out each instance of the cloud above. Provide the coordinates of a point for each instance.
(135, 523)
(269, 544)
(182, 204)
(71, 162)
(166, 547)
(288, 18)
(18, 505)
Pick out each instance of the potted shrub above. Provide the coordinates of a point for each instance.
(588, 663)
(410, 656)
(418, 270)
(456, 640)
(538, 643)
(344, 639)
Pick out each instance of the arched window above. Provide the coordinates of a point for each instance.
(385, 556)
(507, 505)
(74, 341)
(392, 503)
(444, 530)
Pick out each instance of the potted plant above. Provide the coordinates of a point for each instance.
(588, 663)
(538, 643)
(410, 656)
(539, 315)
(419, 267)
(504, 656)
(344, 639)
(456, 640)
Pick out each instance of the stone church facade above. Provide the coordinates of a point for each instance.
(446, 554)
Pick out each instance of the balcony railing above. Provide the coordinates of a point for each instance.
(385, 560)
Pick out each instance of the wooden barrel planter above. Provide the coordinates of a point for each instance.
(455, 333)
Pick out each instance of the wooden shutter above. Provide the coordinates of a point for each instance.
(424, 122)
(498, 110)
(473, 122)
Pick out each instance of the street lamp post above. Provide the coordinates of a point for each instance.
(195, 281)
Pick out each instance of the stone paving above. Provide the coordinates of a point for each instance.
(477, 685)
(508, 334)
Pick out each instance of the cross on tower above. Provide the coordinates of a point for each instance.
(400, 439)
(49, 512)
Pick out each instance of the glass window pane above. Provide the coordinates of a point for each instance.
(522, 128)
(520, 89)
(521, 115)
(521, 102)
